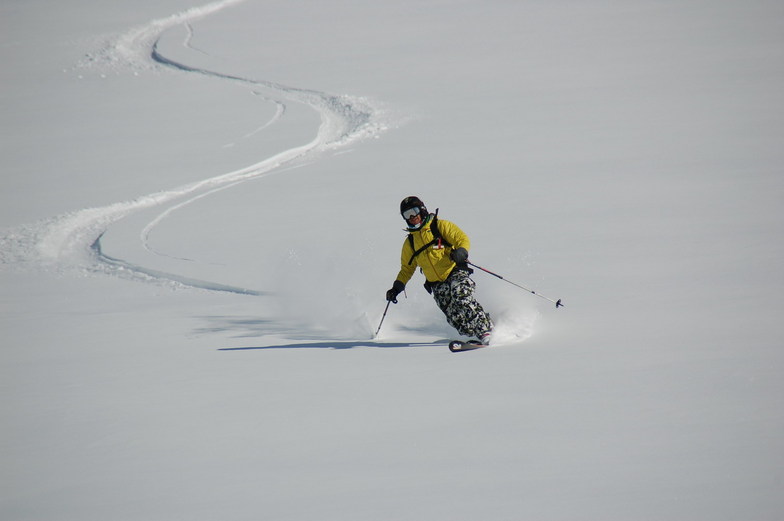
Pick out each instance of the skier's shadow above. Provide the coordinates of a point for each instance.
(339, 345)
(251, 326)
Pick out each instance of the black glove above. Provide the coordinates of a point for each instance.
(397, 288)
(459, 255)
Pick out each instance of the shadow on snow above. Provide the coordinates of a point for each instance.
(327, 344)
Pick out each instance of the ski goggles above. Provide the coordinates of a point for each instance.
(411, 212)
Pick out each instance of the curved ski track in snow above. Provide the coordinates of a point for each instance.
(73, 240)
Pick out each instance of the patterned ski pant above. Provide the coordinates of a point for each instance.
(455, 297)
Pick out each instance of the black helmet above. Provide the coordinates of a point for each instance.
(413, 202)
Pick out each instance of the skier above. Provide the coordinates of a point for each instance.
(440, 249)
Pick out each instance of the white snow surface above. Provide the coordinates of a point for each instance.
(198, 223)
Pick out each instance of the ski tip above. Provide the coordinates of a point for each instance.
(457, 346)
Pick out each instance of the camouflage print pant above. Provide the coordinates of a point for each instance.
(455, 297)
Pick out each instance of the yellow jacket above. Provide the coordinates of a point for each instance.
(434, 261)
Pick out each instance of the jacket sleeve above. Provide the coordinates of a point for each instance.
(406, 269)
(452, 233)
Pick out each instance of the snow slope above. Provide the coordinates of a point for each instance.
(199, 224)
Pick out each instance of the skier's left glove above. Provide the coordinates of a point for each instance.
(459, 255)
(397, 288)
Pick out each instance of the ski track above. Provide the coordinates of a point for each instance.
(73, 240)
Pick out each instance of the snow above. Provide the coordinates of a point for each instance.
(198, 223)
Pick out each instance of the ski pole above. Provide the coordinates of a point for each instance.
(382, 318)
(556, 302)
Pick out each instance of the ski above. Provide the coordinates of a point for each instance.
(457, 346)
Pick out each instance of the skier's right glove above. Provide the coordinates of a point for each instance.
(397, 288)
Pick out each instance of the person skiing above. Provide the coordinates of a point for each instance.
(440, 249)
